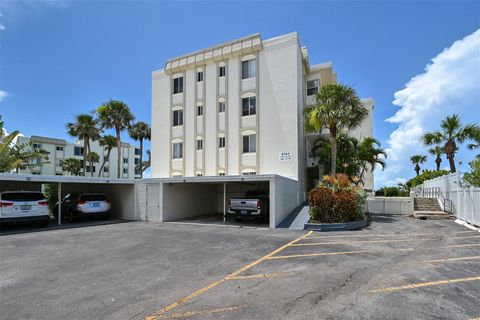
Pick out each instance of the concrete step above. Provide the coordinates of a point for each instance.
(432, 215)
(426, 204)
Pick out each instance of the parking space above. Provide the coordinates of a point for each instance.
(118, 195)
(403, 269)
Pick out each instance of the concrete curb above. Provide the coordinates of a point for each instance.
(336, 226)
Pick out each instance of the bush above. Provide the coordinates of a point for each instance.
(424, 176)
(51, 194)
(392, 192)
(336, 200)
(472, 178)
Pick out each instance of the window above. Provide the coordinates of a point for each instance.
(58, 162)
(249, 106)
(125, 160)
(199, 110)
(199, 174)
(199, 144)
(90, 168)
(78, 151)
(178, 150)
(105, 169)
(200, 76)
(221, 71)
(221, 106)
(221, 174)
(137, 151)
(221, 142)
(37, 146)
(58, 174)
(312, 87)
(105, 157)
(249, 173)
(248, 69)
(36, 173)
(137, 160)
(178, 85)
(178, 118)
(125, 170)
(249, 143)
(58, 148)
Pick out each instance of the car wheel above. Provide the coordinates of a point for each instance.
(44, 223)
(71, 216)
(106, 216)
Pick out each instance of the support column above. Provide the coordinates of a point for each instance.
(224, 202)
(59, 194)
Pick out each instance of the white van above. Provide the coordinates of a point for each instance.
(17, 206)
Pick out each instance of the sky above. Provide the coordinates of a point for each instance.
(419, 60)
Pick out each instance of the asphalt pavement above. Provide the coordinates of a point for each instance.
(397, 268)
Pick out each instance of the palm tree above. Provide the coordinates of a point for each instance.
(353, 155)
(115, 114)
(337, 107)
(452, 133)
(13, 156)
(109, 142)
(437, 151)
(85, 127)
(475, 145)
(91, 158)
(371, 153)
(140, 131)
(417, 160)
(72, 165)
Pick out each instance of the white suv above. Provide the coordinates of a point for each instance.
(17, 206)
(76, 205)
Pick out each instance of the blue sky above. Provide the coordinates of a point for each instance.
(61, 58)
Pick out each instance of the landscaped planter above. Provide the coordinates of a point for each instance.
(353, 225)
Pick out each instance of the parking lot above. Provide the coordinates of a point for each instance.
(397, 268)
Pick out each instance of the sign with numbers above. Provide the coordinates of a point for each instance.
(286, 156)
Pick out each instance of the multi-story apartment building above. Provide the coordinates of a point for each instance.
(237, 109)
(60, 149)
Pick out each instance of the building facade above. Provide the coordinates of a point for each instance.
(237, 109)
(60, 149)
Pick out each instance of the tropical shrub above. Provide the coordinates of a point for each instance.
(335, 200)
(424, 176)
(392, 192)
(50, 191)
(472, 178)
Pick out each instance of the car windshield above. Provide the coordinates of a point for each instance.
(22, 196)
(93, 197)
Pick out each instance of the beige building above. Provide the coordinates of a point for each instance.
(237, 109)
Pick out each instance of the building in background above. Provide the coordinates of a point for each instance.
(237, 109)
(60, 149)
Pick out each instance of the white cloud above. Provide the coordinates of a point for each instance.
(3, 95)
(450, 84)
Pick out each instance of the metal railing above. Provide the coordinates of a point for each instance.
(447, 204)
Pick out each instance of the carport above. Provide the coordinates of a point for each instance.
(120, 191)
(193, 198)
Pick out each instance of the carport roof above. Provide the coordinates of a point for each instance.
(61, 179)
(218, 179)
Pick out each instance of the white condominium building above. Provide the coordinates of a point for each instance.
(60, 149)
(237, 109)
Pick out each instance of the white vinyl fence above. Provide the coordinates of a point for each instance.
(465, 200)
